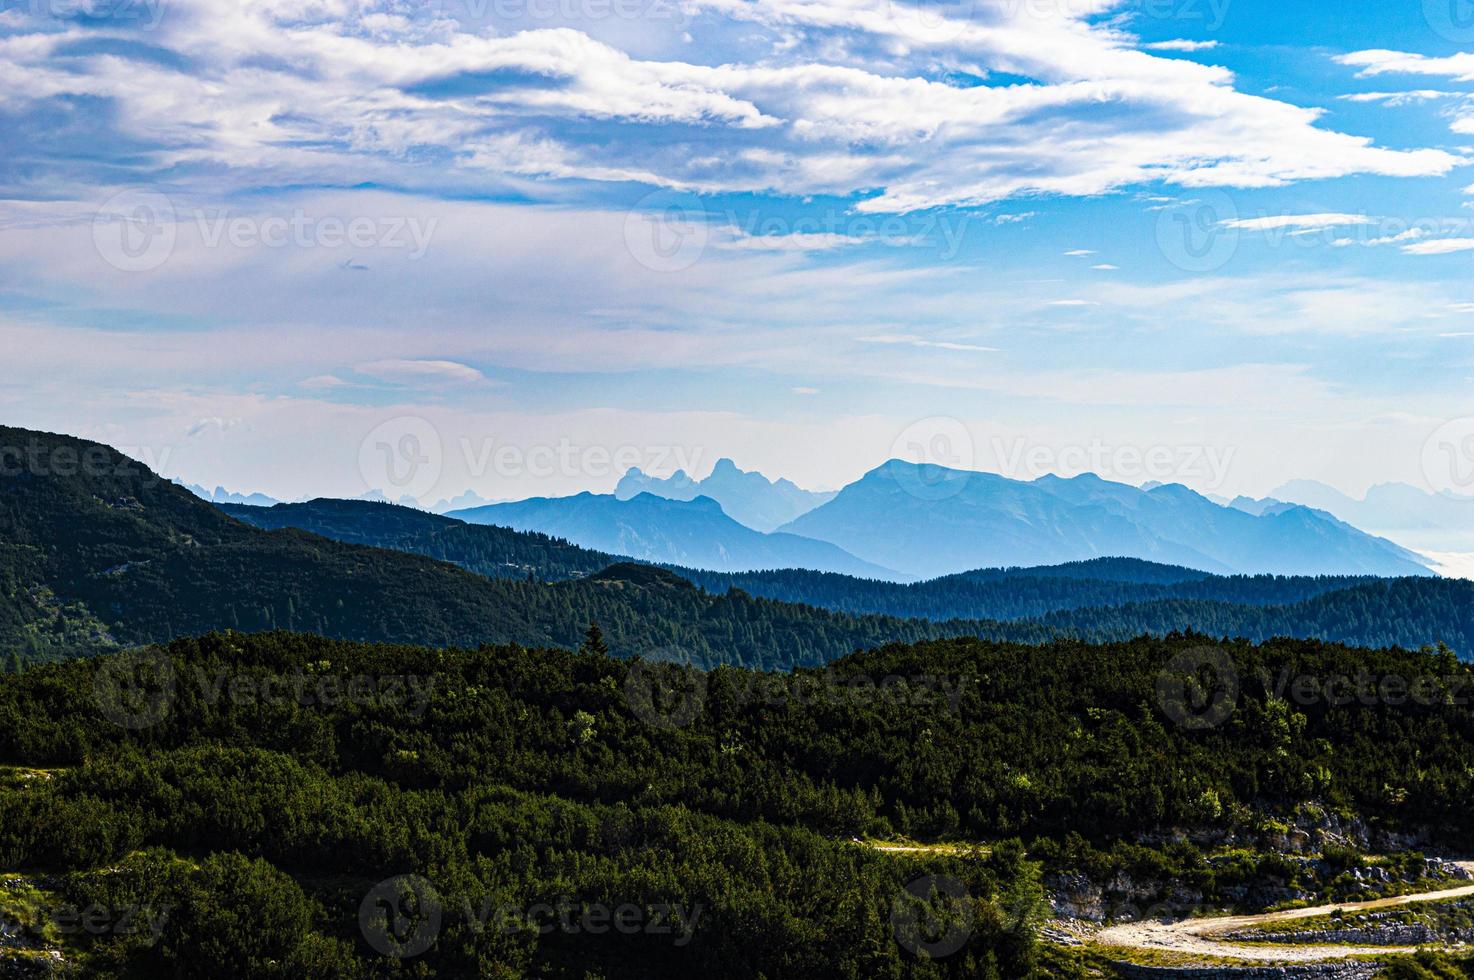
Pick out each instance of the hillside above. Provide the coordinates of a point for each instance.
(496, 552)
(113, 555)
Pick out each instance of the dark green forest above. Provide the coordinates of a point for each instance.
(260, 786)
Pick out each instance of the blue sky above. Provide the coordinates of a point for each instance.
(256, 243)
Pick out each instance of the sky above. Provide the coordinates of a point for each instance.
(517, 246)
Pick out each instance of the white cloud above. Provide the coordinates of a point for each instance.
(1411, 235)
(1106, 267)
(1382, 62)
(1181, 45)
(794, 242)
(407, 371)
(804, 390)
(323, 382)
(843, 101)
(911, 341)
(1400, 98)
(1072, 302)
(1440, 246)
(1080, 252)
(1299, 221)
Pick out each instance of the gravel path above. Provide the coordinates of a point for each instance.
(1196, 937)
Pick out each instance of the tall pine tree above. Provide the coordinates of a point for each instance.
(593, 642)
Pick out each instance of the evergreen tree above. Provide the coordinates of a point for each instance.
(593, 642)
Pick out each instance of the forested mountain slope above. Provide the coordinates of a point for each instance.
(108, 553)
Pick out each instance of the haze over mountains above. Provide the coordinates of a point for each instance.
(112, 555)
(1438, 522)
(747, 497)
(928, 521)
(697, 533)
(904, 521)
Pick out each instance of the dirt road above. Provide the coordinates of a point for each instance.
(1196, 937)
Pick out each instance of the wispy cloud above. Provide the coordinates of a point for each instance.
(1309, 221)
(1181, 45)
(908, 340)
(1440, 246)
(404, 371)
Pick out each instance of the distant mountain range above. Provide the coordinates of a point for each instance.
(1101, 599)
(748, 498)
(696, 533)
(1439, 522)
(903, 521)
(220, 495)
(928, 521)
